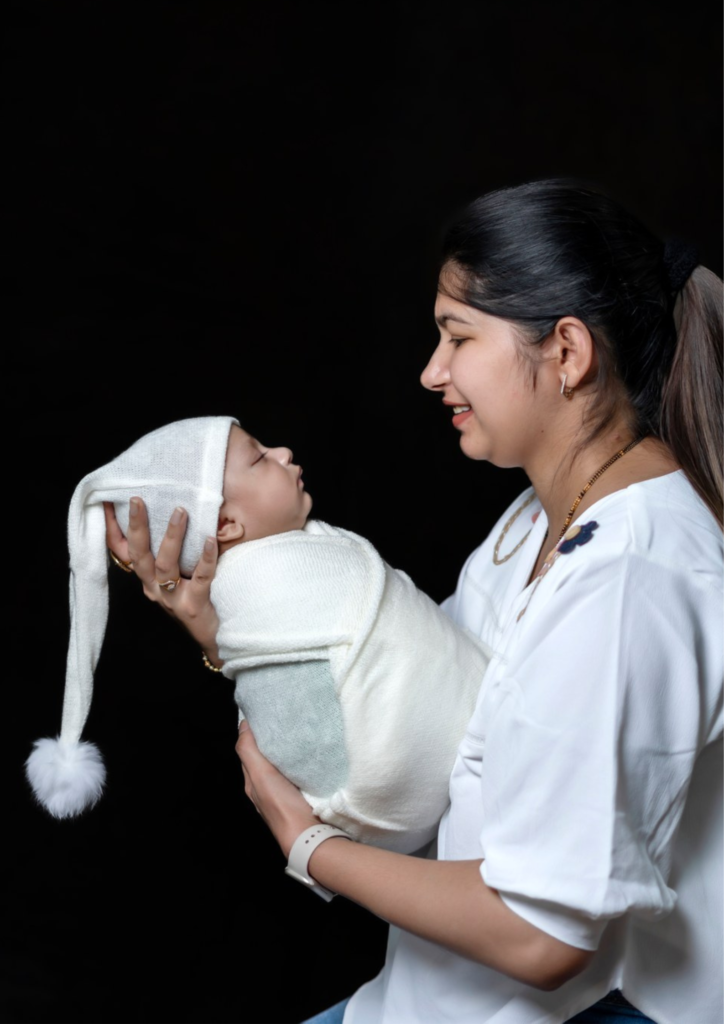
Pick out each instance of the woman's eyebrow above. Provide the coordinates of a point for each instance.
(445, 317)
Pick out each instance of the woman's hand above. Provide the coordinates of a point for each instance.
(190, 600)
(278, 800)
(446, 902)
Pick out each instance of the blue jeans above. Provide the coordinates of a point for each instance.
(612, 1009)
(609, 1010)
(333, 1015)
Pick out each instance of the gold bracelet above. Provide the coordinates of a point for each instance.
(213, 668)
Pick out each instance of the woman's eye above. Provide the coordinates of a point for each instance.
(457, 341)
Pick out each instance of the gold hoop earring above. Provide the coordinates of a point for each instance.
(566, 392)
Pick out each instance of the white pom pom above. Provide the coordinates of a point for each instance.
(66, 777)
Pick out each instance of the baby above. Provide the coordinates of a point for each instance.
(342, 666)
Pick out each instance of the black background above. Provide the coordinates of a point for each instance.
(235, 208)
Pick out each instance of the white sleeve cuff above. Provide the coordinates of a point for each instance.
(563, 924)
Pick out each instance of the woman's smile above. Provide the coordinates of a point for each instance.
(460, 413)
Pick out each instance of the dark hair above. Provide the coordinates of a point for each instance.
(536, 252)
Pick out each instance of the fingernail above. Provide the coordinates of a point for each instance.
(177, 515)
(135, 505)
(209, 544)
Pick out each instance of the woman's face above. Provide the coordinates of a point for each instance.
(478, 370)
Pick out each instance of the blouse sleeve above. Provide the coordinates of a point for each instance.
(612, 689)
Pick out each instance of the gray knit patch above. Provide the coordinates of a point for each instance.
(296, 717)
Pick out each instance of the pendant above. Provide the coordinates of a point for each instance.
(576, 537)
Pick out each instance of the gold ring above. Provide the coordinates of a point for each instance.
(169, 585)
(126, 566)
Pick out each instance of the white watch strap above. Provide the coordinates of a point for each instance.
(303, 848)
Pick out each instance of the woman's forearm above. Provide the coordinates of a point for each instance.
(448, 903)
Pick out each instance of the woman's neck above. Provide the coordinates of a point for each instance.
(558, 483)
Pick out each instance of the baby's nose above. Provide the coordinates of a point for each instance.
(285, 455)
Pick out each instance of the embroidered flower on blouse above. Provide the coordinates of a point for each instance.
(576, 536)
(573, 538)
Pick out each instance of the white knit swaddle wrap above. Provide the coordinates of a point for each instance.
(178, 464)
(406, 677)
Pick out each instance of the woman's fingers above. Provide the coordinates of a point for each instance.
(189, 600)
(169, 550)
(246, 746)
(193, 605)
(115, 541)
(139, 546)
(258, 772)
(200, 583)
(153, 571)
(278, 800)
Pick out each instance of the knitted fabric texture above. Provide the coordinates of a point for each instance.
(298, 721)
(405, 676)
(179, 464)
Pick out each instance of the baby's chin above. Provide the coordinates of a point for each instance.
(301, 521)
(310, 503)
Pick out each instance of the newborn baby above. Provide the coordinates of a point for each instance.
(344, 669)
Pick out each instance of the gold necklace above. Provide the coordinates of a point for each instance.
(571, 511)
(604, 467)
(496, 552)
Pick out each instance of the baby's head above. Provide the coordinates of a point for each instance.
(263, 492)
(229, 484)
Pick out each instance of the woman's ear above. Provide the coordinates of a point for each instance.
(570, 352)
(229, 530)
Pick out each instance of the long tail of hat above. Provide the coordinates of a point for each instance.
(181, 462)
(67, 775)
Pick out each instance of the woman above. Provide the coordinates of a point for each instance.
(580, 857)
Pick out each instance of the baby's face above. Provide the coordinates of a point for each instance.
(263, 492)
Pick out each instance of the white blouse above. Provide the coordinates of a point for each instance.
(590, 776)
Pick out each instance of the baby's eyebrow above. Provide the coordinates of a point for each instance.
(254, 450)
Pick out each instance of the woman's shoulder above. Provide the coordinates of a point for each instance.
(661, 521)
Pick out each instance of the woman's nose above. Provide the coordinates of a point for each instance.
(437, 372)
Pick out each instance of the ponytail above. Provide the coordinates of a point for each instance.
(691, 401)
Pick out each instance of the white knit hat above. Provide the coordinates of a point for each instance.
(179, 464)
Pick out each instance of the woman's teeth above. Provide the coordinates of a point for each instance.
(460, 408)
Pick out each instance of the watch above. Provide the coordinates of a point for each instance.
(303, 848)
